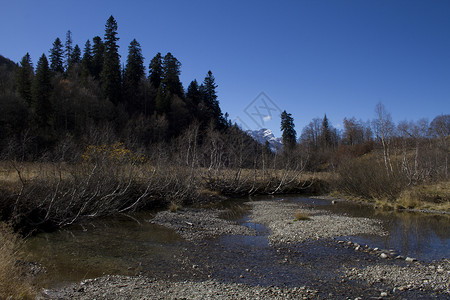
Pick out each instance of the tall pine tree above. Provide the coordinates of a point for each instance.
(75, 58)
(289, 135)
(111, 73)
(155, 71)
(86, 61)
(41, 105)
(325, 135)
(171, 76)
(193, 98)
(210, 103)
(25, 76)
(133, 75)
(68, 48)
(57, 57)
(98, 50)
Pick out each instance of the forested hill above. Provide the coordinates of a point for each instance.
(6, 63)
(76, 91)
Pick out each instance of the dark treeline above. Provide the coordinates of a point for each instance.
(71, 92)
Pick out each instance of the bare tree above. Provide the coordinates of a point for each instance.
(383, 127)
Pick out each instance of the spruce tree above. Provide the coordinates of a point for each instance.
(86, 61)
(75, 58)
(193, 92)
(41, 104)
(111, 74)
(170, 76)
(155, 71)
(68, 48)
(325, 134)
(133, 75)
(25, 76)
(193, 99)
(209, 99)
(98, 50)
(289, 135)
(57, 57)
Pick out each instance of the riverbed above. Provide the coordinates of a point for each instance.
(248, 247)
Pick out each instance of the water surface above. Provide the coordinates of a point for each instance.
(130, 245)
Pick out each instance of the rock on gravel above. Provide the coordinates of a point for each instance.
(195, 225)
(279, 217)
(124, 287)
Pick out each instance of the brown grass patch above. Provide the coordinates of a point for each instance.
(301, 216)
(173, 206)
(15, 283)
(428, 196)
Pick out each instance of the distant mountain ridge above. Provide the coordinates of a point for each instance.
(262, 135)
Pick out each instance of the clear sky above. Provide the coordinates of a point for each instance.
(339, 57)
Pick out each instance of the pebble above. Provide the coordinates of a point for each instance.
(410, 259)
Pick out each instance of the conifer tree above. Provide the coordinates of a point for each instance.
(193, 92)
(289, 135)
(193, 96)
(193, 99)
(133, 75)
(75, 58)
(209, 98)
(98, 50)
(56, 57)
(170, 76)
(325, 134)
(41, 104)
(86, 61)
(155, 71)
(68, 48)
(25, 76)
(111, 73)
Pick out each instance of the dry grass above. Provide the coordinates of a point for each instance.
(173, 206)
(14, 281)
(428, 196)
(301, 216)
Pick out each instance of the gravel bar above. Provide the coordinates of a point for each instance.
(279, 218)
(199, 224)
(124, 287)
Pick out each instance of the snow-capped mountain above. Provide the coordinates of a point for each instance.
(263, 135)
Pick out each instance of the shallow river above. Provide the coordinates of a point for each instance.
(130, 245)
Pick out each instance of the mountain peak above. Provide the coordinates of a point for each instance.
(262, 135)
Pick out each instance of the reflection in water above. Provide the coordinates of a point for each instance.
(117, 245)
(129, 245)
(424, 236)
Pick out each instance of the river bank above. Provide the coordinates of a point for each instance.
(283, 259)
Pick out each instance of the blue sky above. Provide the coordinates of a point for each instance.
(306, 57)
